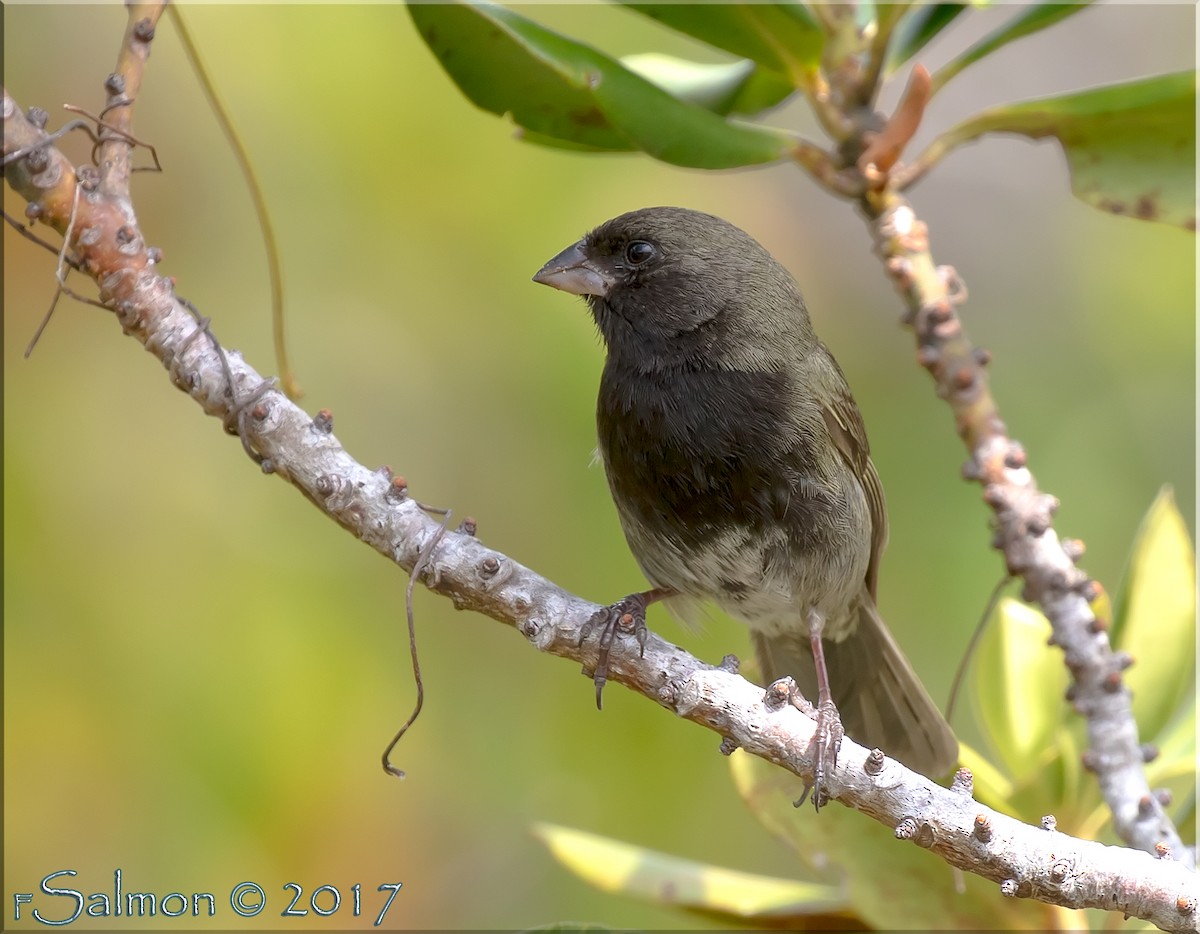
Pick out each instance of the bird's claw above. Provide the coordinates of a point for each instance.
(825, 744)
(628, 614)
(827, 740)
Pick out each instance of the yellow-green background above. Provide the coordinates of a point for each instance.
(201, 671)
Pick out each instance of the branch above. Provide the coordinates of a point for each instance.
(1023, 515)
(374, 505)
(1023, 519)
(123, 85)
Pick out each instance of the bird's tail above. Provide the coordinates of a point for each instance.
(881, 701)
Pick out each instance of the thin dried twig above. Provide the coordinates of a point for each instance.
(414, 575)
(274, 267)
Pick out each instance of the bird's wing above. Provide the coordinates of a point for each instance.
(849, 436)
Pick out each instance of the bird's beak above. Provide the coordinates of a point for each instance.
(573, 272)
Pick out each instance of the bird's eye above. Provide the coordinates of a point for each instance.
(638, 252)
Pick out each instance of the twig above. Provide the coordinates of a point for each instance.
(908, 175)
(886, 17)
(123, 85)
(34, 238)
(43, 324)
(113, 130)
(49, 139)
(972, 644)
(414, 575)
(257, 198)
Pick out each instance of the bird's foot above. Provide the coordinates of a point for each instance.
(629, 615)
(824, 745)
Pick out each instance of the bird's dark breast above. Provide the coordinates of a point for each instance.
(696, 455)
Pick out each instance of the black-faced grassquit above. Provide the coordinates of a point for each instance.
(739, 465)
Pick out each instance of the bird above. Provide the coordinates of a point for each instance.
(739, 466)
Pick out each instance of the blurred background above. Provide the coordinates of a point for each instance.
(201, 671)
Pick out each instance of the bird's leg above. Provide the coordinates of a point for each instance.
(629, 613)
(827, 739)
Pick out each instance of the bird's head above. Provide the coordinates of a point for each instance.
(672, 282)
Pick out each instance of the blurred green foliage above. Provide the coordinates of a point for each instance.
(200, 671)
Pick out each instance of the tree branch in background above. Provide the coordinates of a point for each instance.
(1023, 520)
(1023, 516)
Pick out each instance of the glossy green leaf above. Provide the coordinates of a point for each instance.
(623, 868)
(889, 882)
(1131, 148)
(500, 73)
(556, 87)
(1156, 616)
(736, 87)
(733, 87)
(554, 142)
(917, 28)
(1017, 688)
(1033, 18)
(783, 37)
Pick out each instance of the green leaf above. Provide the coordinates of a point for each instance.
(1033, 18)
(1175, 766)
(783, 37)
(733, 87)
(992, 787)
(554, 142)
(623, 868)
(890, 883)
(917, 29)
(556, 87)
(1156, 616)
(1131, 148)
(1018, 687)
